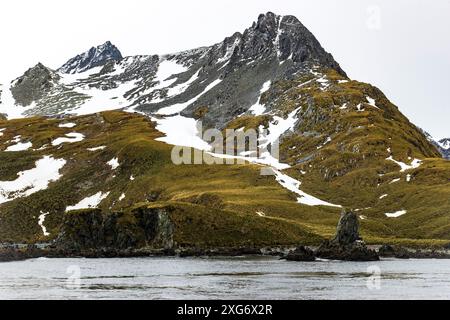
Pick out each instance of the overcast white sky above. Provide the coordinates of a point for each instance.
(401, 46)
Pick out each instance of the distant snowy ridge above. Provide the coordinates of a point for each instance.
(443, 145)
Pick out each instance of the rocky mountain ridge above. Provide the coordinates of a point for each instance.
(227, 76)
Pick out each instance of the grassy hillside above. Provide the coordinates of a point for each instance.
(223, 205)
(340, 150)
(220, 202)
(353, 168)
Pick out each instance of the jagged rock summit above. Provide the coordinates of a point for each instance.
(282, 37)
(94, 57)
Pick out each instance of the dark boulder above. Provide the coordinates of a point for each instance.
(301, 254)
(357, 251)
(13, 253)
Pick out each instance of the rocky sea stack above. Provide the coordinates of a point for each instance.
(347, 244)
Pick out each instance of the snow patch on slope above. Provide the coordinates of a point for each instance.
(70, 138)
(258, 109)
(41, 221)
(102, 100)
(89, 202)
(180, 88)
(396, 214)
(278, 127)
(403, 166)
(31, 181)
(293, 185)
(229, 51)
(371, 102)
(96, 148)
(18, 146)
(177, 108)
(181, 131)
(167, 69)
(67, 125)
(114, 163)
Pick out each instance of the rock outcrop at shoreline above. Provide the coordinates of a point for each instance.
(148, 231)
(301, 254)
(13, 253)
(398, 252)
(91, 229)
(347, 244)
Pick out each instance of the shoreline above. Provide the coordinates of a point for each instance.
(20, 252)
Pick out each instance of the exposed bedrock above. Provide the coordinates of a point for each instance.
(347, 244)
(91, 229)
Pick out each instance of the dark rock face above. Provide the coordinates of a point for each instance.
(157, 226)
(95, 57)
(287, 37)
(274, 36)
(346, 245)
(34, 84)
(301, 254)
(15, 254)
(93, 230)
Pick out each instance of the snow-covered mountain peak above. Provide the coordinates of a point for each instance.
(234, 70)
(94, 57)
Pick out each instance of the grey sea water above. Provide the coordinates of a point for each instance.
(223, 278)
